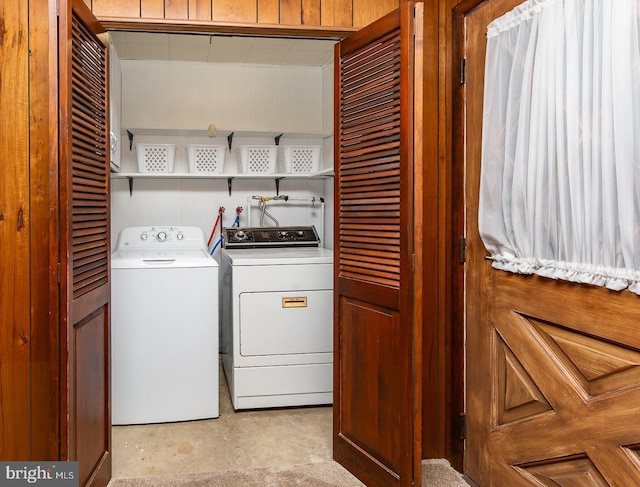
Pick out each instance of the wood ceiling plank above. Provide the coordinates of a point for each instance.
(311, 12)
(291, 12)
(268, 11)
(199, 9)
(235, 10)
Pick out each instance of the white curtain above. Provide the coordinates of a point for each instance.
(560, 182)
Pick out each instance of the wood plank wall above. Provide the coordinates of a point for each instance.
(15, 304)
(310, 13)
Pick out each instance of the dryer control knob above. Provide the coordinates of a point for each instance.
(161, 237)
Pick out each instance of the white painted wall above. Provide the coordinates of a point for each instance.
(177, 98)
(183, 95)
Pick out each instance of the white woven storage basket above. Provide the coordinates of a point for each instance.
(205, 158)
(299, 159)
(257, 159)
(155, 157)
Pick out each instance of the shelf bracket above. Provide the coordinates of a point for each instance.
(130, 185)
(229, 185)
(130, 140)
(277, 139)
(230, 141)
(277, 180)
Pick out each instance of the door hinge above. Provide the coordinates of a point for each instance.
(463, 249)
(463, 71)
(463, 426)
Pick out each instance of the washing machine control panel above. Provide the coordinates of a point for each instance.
(270, 237)
(161, 238)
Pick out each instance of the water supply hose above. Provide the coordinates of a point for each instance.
(236, 222)
(213, 230)
(216, 245)
(262, 205)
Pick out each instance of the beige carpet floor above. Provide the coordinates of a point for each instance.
(436, 473)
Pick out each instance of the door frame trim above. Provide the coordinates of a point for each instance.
(457, 247)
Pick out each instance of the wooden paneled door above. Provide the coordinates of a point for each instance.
(376, 356)
(84, 243)
(553, 374)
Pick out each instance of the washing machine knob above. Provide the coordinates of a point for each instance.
(143, 236)
(241, 235)
(300, 233)
(283, 234)
(161, 237)
(180, 236)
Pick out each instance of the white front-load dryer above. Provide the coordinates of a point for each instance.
(164, 326)
(276, 318)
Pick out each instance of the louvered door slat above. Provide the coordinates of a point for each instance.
(370, 160)
(383, 185)
(87, 149)
(371, 96)
(87, 163)
(89, 210)
(88, 179)
(373, 129)
(93, 135)
(355, 64)
(88, 122)
(83, 95)
(383, 177)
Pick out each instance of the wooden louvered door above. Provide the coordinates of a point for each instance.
(553, 367)
(373, 397)
(84, 243)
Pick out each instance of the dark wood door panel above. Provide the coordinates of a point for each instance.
(91, 393)
(84, 244)
(369, 343)
(373, 305)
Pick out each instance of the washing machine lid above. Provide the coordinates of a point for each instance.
(146, 259)
(278, 256)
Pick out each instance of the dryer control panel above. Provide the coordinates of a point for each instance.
(270, 237)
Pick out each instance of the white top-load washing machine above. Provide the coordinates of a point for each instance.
(277, 317)
(164, 326)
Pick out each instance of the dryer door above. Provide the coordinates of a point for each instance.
(286, 323)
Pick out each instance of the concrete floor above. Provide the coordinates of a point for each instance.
(235, 440)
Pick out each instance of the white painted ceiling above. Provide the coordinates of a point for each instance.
(223, 49)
